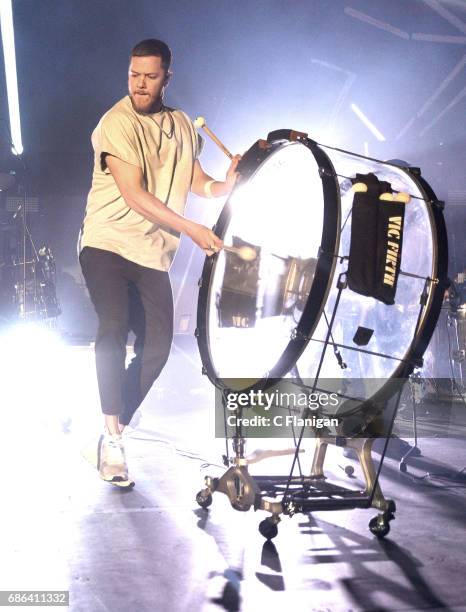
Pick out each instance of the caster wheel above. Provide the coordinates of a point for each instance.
(403, 468)
(379, 526)
(268, 528)
(204, 498)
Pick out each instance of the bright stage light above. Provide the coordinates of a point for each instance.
(34, 375)
(9, 57)
(31, 341)
(47, 385)
(369, 125)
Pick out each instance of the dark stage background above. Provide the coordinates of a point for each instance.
(248, 67)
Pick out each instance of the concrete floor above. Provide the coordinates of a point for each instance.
(154, 549)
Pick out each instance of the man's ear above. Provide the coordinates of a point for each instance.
(168, 76)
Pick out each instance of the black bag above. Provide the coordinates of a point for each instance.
(376, 241)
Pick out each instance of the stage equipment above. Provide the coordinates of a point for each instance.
(416, 391)
(11, 166)
(34, 295)
(445, 360)
(290, 317)
(456, 324)
(7, 178)
(27, 274)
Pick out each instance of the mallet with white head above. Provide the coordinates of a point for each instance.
(201, 123)
(245, 253)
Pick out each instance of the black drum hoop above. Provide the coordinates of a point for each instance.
(439, 273)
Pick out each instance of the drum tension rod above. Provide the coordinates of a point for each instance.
(434, 281)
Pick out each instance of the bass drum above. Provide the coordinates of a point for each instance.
(258, 320)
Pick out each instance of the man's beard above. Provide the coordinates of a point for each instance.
(148, 108)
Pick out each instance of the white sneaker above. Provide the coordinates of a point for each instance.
(111, 460)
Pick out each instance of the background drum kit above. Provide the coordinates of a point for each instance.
(27, 272)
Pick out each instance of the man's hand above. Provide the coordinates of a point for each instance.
(205, 239)
(205, 186)
(232, 174)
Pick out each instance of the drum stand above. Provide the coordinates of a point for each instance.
(292, 494)
(457, 351)
(301, 493)
(415, 380)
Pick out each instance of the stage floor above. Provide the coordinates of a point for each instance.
(153, 548)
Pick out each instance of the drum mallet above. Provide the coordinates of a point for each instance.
(245, 253)
(400, 196)
(200, 123)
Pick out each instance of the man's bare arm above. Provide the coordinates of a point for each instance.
(130, 182)
(216, 188)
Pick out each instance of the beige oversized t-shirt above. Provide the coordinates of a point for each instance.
(164, 145)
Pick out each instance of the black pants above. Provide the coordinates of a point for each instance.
(127, 296)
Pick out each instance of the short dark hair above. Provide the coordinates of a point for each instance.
(152, 46)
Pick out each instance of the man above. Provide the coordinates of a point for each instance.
(145, 164)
